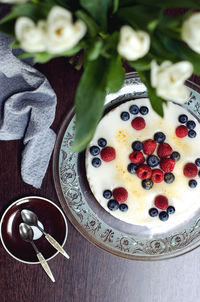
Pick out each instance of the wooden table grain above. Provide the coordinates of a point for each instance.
(91, 275)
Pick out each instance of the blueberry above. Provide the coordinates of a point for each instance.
(137, 146)
(197, 162)
(170, 210)
(144, 110)
(153, 212)
(123, 207)
(102, 142)
(113, 205)
(107, 194)
(152, 160)
(163, 216)
(175, 156)
(132, 168)
(192, 133)
(183, 118)
(191, 124)
(94, 150)
(192, 183)
(159, 137)
(169, 178)
(96, 162)
(125, 116)
(134, 109)
(147, 184)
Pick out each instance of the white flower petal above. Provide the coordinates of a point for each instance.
(191, 31)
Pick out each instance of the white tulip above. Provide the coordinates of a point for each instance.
(133, 44)
(191, 32)
(13, 1)
(62, 33)
(30, 35)
(168, 79)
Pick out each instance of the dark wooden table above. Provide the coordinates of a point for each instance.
(91, 274)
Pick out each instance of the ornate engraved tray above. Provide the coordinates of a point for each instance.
(90, 219)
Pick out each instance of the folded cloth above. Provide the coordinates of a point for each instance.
(27, 110)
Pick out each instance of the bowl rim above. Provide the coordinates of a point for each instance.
(20, 200)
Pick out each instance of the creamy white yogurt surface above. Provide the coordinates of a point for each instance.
(120, 135)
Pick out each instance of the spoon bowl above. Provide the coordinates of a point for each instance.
(26, 232)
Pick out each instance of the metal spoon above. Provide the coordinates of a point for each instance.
(26, 233)
(31, 219)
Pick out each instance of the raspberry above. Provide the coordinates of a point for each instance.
(181, 131)
(144, 172)
(137, 157)
(138, 123)
(164, 150)
(149, 146)
(161, 202)
(157, 175)
(108, 153)
(120, 194)
(190, 170)
(167, 164)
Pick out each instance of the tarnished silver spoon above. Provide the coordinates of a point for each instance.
(31, 218)
(26, 233)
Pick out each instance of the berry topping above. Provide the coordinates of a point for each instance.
(164, 150)
(144, 110)
(108, 153)
(197, 162)
(120, 194)
(159, 137)
(161, 202)
(199, 173)
(191, 125)
(132, 168)
(102, 142)
(94, 150)
(190, 170)
(149, 146)
(125, 116)
(138, 123)
(153, 212)
(113, 205)
(147, 184)
(175, 156)
(192, 133)
(96, 162)
(167, 164)
(144, 172)
(137, 146)
(183, 118)
(123, 207)
(107, 194)
(134, 109)
(163, 216)
(192, 183)
(170, 210)
(137, 157)
(169, 178)
(181, 131)
(152, 161)
(157, 175)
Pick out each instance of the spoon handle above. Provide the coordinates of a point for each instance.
(56, 245)
(45, 266)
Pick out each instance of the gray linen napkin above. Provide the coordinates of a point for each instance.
(27, 110)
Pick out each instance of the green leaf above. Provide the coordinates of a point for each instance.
(139, 16)
(115, 5)
(115, 74)
(142, 64)
(164, 4)
(156, 102)
(89, 102)
(93, 28)
(98, 9)
(110, 45)
(182, 51)
(94, 50)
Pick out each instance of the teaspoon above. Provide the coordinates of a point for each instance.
(31, 218)
(26, 233)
